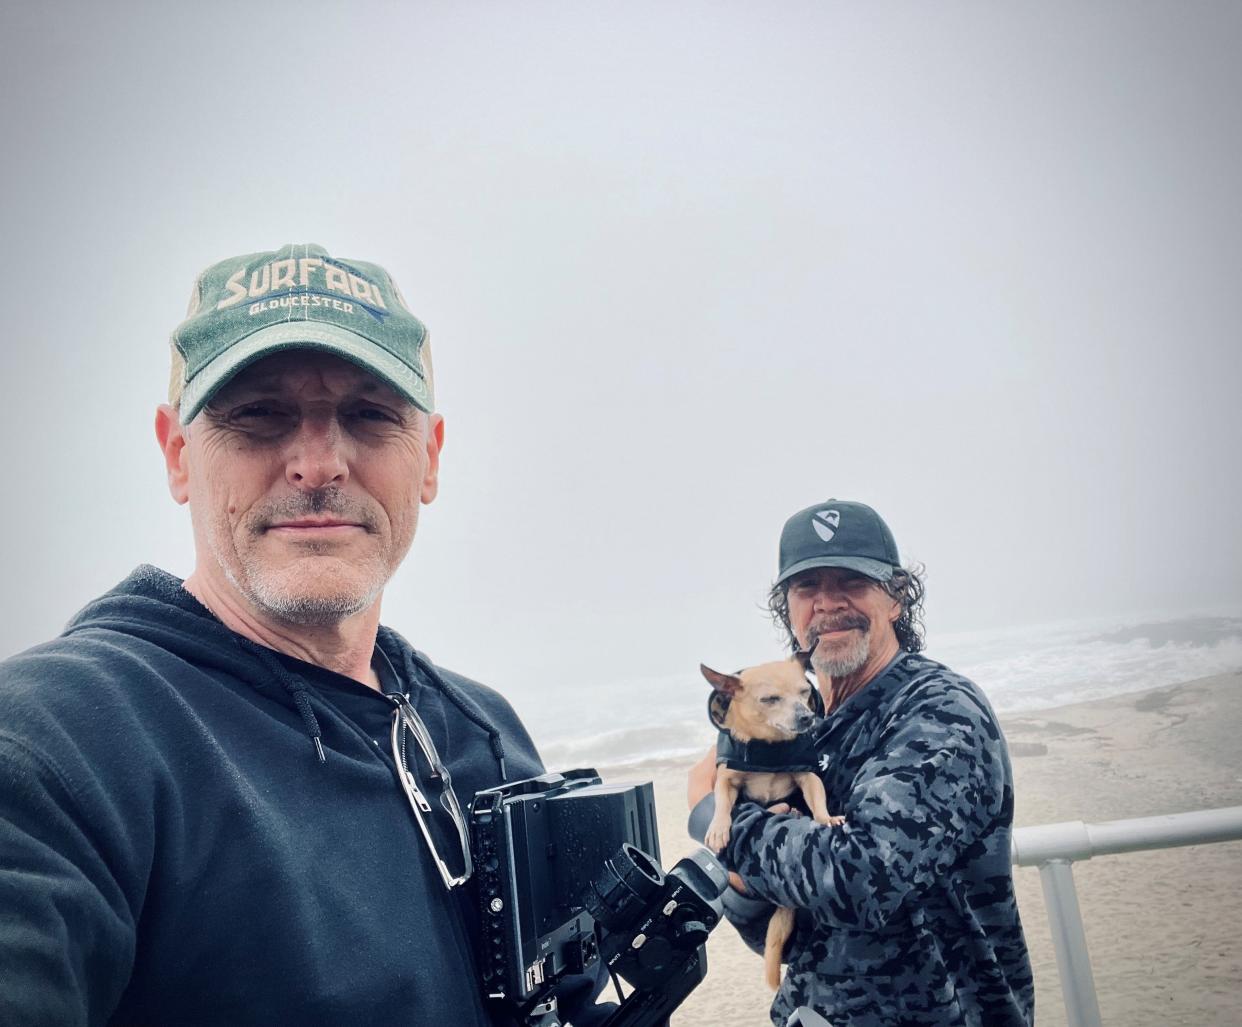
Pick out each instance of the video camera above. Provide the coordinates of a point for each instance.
(568, 875)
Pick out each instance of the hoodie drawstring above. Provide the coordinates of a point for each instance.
(296, 689)
(414, 660)
(302, 701)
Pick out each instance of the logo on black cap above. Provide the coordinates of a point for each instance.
(825, 523)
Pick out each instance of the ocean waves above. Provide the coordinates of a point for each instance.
(1031, 668)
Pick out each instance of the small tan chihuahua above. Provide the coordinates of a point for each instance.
(770, 703)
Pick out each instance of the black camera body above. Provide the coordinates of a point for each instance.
(538, 844)
(568, 874)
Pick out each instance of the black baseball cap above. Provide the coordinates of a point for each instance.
(836, 533)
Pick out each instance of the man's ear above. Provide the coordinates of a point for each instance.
(434, 443)
(729, 684)
(172, 439)
(894, 615)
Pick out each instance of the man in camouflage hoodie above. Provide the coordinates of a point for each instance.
(906, 915)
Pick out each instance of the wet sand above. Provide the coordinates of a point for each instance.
(1161, 926)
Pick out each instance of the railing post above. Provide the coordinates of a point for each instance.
(1082, 1009)
(1054, 847)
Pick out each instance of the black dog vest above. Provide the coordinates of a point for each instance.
(796, 755)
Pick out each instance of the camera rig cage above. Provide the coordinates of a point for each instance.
(568, 874)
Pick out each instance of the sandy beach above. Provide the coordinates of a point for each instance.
(1161, 926)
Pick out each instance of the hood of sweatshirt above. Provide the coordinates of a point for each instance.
(153, 605)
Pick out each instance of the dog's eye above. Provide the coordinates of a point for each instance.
(770, 700)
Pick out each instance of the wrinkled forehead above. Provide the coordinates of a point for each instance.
(307, 373)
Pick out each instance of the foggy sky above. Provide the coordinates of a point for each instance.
(687, 269)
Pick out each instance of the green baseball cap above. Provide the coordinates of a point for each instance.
(297, 297)
(837, 533)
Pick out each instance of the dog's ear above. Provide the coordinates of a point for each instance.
(729, 684)
(804, 658)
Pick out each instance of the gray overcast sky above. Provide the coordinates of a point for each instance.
(687, 268)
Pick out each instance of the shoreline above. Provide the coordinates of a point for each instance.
(1159, 924)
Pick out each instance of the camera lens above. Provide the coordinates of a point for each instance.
(629, 880)
(702, 872)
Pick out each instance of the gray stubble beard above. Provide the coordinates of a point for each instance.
(838, 666)
(304, 611)
(296, 610)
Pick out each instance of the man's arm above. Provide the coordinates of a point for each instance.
(701, 783)
(748, 915)
(67, 934)
(934, 787)
(701, 779)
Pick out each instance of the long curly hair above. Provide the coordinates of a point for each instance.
(906, 586)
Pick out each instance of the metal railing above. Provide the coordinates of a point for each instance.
(1055, 847)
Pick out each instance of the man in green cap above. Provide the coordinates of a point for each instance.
(238, 798)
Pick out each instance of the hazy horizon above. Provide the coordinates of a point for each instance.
(686, 271)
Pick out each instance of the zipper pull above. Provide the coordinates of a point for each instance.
(423, 804)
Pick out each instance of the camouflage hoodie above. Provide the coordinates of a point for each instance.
(906, 915)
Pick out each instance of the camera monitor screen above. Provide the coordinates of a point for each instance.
(560, 844)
